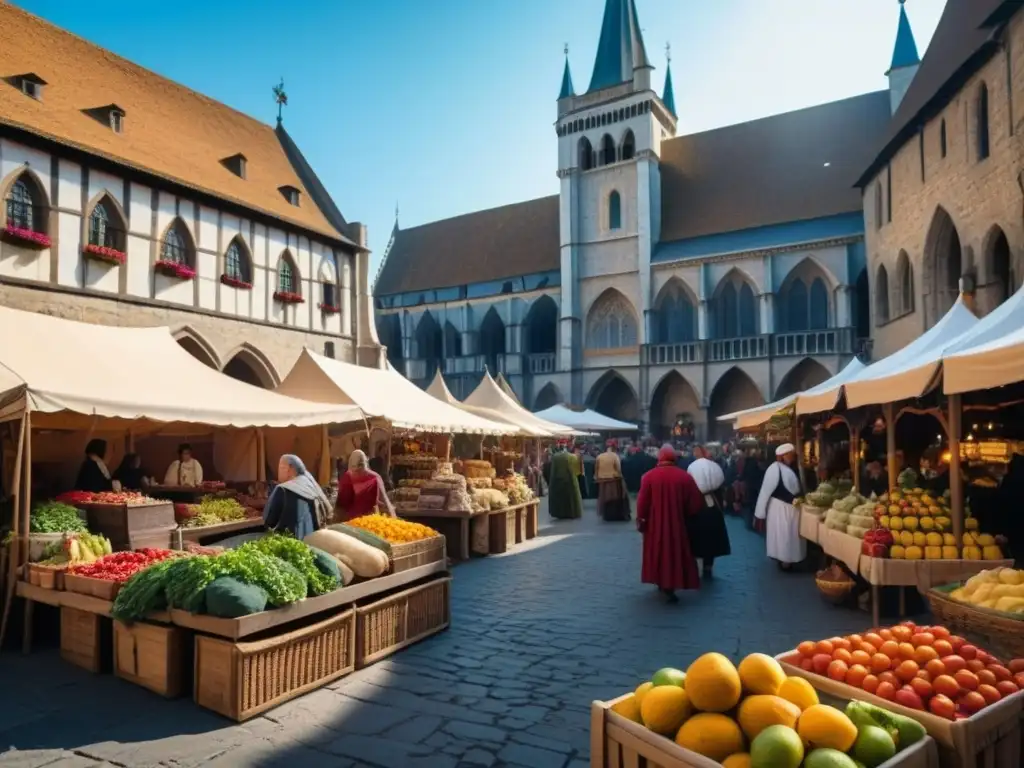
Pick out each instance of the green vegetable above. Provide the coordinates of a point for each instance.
(904, 730)
(143, 593)
(299, 555)
(213, 511)
(229, 598)
(55, 517)
(326, 564)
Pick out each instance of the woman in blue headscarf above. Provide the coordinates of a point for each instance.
(297, 505)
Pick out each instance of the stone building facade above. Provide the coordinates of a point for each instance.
(943, 199)
(130, 200)
(673, 277)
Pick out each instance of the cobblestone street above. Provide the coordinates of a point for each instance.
(536, 635)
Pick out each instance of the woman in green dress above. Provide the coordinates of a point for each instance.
(564, 499)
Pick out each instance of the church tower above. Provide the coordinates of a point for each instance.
(905, 61)
(609, 144)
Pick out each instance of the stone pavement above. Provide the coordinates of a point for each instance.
(536, 635)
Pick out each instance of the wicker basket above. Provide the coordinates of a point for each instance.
(413, 554)
(835, 592)
(392, 623)
(1000, 632)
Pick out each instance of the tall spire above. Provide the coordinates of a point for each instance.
(620, 50)
(668, 96)
(904, 54)
(567, 89)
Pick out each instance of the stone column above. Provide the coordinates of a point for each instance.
(703, 326)
(843, 317)
(767, 316)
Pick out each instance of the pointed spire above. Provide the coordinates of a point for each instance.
(904, 54)
(567, 89)
(620, 50)
(668, 96)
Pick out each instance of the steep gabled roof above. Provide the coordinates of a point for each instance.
(620, 49)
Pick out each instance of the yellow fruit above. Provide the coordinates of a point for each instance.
(910, 523)
(739, 760)
(822, 726)
(971, 523)
(933, 540)
(883, 521)
(933, 553)
(927, 523)
(906, 538)
(895, 523)
(970, 540)
(950, 553)
(628, 707)
(920, 539)
(712, 735)
(798, 691)
(991, 552)
(713, 684)
(895, 496)
(895, 509)
(972, 553)
(897, 552)
(942, 523)
(948, 540)
(641, 691)
(758, 712)
(986, 540)
(760, 673)
(665, 708)
(914, 553)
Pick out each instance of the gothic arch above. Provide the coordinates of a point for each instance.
(942, 266)
(542, 326)
(492, 340)
(862, 305)
(238, 261)
(998, 259)
(733, 391)
(627, 145)
(611, 322)
(672, 397)
(246, 363)
(607, 150)
(452, 340)
(805, 297)
(801, 377)
(734, 310)
(584, 154)
(113, 215)
(429, 343)
(881, 295)
(177, 244)
(676, 313)
(548, 396)
(389, 331)
(289, 280)
(38, 215)
(613, 396)
(903, 290)
(196, 345)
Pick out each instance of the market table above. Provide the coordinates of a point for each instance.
(480, 532)
(205, 533)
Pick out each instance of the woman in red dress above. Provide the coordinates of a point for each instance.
(361, 490)
(668, 495)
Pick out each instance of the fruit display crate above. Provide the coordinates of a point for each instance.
(413, 554)
(132, 526)
(389, 624)
(1002, 632)
(152, 656)
(991, 737)
(104, 589)
(618, 742)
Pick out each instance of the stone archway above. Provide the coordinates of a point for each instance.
(250, 365)
(943, 267)
(612, 396)
(674, 398)
(542, 327)
(734, 391)
(492, 341)
(801, 377)
(193, 343)
(1000, 281)
(548, 396)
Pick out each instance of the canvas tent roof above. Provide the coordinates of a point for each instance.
(991, 354)
(52, 365)
(438, 389)
(586, 420)
(891, 377)
(489, 395)
(379, 392)
(752, 417)
(910, 372)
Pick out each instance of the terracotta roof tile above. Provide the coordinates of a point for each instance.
(169, 130)
(517, 239)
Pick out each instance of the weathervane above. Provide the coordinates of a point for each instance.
(281, 98)
(566, 49)
(668, 52)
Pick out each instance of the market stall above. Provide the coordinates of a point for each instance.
(585, 420)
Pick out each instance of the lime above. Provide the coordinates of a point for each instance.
(669, 676)
(874, 746)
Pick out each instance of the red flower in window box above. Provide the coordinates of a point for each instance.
(27, 237)
(102, 253)
(288, 297)
(235, 282)
(174, 269)
(329, 309)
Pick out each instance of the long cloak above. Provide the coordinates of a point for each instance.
(668, 496)
(774, 504)
(564, 499)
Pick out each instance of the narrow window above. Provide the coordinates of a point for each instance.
(942, 138)
(20, 207)
(286, 277)
(614, 211)
(116, 121)
(328, 295)
(329, 349)
(173, 247)
(878, 205)
(982, 122)
(888, 194)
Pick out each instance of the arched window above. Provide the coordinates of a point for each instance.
(981, 122)
(585, 161)
(607, 150)
(237, 266)
(727, 323)
(748, 311)
(176, 246)
(105, 226)
(614, 211)
(942, 138)
(628, 146)
(796, 306)
(734, 308)
(881, 295)
(818, 311)
(611, 323)
(21, 206)
(878, 205)
(904, 284)
(287, 277)
(676, 315)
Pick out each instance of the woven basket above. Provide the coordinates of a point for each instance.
(1002, 633)
(834, 591)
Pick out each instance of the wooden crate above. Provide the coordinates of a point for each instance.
(104, 589)
(416, 553)
(242, 680)
(123, 524)
(521, 523)
(152, 656)
(531, 519)
(84, 639)
(389, 624)
(502, 525)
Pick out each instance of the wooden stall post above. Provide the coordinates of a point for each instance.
(956, 482)
(15, 546)
(890, 443)
(261, 456)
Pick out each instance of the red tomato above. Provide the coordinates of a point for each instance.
(942, 706)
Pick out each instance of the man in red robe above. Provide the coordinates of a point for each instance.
(668, 495)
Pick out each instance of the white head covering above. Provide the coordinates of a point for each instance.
(785, 448)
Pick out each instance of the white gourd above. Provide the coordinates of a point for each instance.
(365, 561)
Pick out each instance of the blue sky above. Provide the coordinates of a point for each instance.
(447, 106)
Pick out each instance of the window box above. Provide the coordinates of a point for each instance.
(103, 253)
(329, 309)
(174, 269)
(235, 282)
(288, 297)
(26, 237)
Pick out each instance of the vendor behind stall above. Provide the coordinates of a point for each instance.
(361, 490)
(93, 475)
(130, 473)
(297, 505)
(185, 471)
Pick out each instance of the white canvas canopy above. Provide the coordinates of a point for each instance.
(991, 354)
(586, 420)
(74, 370)
(908, 370)
(378, 392)
(489, 395)
(439, 390)
(753, 417)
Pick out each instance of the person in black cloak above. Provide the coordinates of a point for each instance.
(93, 474)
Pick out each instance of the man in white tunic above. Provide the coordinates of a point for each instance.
(775, 506)
(185, 471)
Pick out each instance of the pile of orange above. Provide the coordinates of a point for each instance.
(921, 667)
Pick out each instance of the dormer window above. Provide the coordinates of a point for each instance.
(291, 194)
(110, 115)
(30, 84)
(116, 121)
(235, 164)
